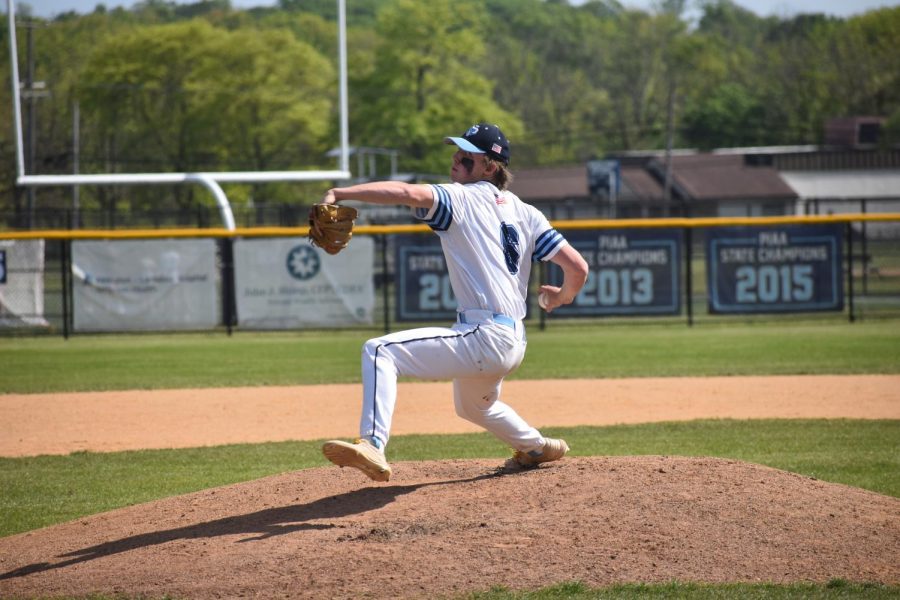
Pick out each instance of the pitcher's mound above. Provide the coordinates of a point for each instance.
(449, 527)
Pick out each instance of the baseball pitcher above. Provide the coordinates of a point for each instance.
(489, 238)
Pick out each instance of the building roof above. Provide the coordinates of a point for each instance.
(831, 159)
(723, 177)
(701, 177)
(766, 174)
(550, 183)
(638, 183)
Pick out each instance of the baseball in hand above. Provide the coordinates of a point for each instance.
(543, 299)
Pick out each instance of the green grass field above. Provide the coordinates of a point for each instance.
(681, 591)
(92, 363)
(40, 491)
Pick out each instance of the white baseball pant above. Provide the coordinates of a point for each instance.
(475, 355)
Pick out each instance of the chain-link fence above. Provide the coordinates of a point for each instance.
(830, 270)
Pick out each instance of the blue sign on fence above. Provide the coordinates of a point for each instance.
(2, 266)
(774, 269)
(633, 272)
(423, 284)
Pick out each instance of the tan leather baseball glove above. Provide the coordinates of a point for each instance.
(331, 226)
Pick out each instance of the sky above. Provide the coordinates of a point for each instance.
(781, 8)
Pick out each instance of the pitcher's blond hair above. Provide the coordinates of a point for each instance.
(502, 176)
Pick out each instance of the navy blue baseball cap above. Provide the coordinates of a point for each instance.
(483, 138)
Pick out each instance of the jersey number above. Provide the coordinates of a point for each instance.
(509, 237)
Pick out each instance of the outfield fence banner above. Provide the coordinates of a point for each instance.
(145, 285)
(775, 269)
(423, 284)
(705, 269)
(22, 283)
(633, 272)
(287, 283)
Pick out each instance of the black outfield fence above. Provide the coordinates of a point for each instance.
(690, 271)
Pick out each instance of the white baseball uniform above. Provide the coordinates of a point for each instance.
(489, 238)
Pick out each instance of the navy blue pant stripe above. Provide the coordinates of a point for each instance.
(375, 365)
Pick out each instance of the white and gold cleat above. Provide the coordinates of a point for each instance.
(553, 449)
(360, 455)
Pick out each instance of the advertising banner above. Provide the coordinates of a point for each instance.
(423, 284)
(633, 272)
(144, 285)
(287, 283)
(792, 268)
(22, 283)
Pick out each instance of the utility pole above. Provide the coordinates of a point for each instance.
(670, 134)
(76, 154)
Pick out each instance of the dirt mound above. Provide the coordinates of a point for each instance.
(448, 527)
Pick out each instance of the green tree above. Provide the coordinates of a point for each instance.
(862, 55)
(274, 97)
(305, 27)
(725, 107)
(543, 56)
(191, 97)
(167, 86)
(730, 115)
(359, 12)
(426, 83)
(59, 50)
(638, 75)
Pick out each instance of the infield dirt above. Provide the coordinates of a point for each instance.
(450, 527)
(141, 419)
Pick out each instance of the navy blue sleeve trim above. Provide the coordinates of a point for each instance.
(443, 213)
(545, 244)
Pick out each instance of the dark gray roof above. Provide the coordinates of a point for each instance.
(639, 184)
(723, 177)
(701, 177)
(550, 183)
